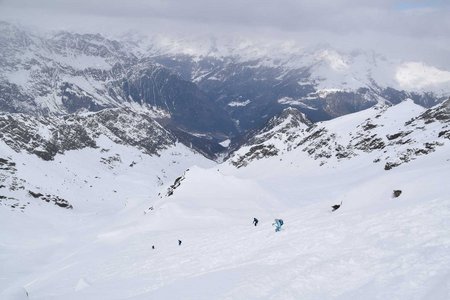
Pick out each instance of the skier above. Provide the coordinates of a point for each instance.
(336, 207)
(278, 223)
(255, 221)
(153, 247)
(179, 242)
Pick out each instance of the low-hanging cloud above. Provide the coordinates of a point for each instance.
(410, 26)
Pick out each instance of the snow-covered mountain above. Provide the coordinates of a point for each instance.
(48, 136)
(388, 135)
(69, 73)
(255, 81)
(326, 67)
(279, 134)
(214, 91)
(114, 140)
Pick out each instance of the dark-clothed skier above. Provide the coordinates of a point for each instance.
(179, 242)
(255, 221)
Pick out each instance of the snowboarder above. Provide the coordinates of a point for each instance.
(278, 223)
(255, 221)
(179, 242)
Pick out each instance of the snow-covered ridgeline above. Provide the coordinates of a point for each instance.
(387, 135)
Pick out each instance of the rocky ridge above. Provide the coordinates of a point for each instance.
(391, 135)
(48, 136)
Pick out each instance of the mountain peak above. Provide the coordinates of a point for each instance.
(278, 136)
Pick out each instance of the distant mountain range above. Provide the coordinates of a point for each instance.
(204, 98)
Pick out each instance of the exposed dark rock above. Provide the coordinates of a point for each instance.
(7, 165)
(390, 165)
(255, 152)
(35, 195)
(343, 154)
(111, 161)
(320, 143)
(396, 193)
(176, 184)
(57, 201)
(75, 99)
(369, 126)
(12, 203)
(370, 143)
(445, 134)
(394, 136)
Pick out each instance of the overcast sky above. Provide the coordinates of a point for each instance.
(417, 29)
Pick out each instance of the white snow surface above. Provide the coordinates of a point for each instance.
(82, 61)
(225, 143)
(239, 103)
(295, 102)
(374, 247)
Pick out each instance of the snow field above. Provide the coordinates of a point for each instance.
(373, 247)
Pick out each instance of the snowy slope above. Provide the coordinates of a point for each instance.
(100, 184)
(115, 142)
(374, 247)
(386, 135)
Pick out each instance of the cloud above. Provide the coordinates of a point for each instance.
(415, 76)
(339, 16)
(392, 25)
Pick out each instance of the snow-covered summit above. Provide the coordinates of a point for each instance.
(387, 135)
(276, 137)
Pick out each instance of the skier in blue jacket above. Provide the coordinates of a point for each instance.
(278, 223)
